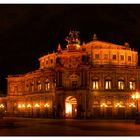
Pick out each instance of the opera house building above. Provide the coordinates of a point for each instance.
(90, 80)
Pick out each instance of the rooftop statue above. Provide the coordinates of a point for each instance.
(73, 37)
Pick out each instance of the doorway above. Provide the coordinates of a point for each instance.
(70, 107)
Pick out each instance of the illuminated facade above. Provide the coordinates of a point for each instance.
(92, 80)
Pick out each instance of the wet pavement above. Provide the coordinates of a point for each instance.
(59, 127)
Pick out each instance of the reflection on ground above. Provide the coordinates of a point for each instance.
(69, 127)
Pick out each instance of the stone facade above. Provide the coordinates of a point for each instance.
(93, 80)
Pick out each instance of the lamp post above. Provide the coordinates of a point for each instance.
(29, 107)
(136, 96)
(103, 106)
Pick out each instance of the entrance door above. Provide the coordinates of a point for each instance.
(70, 107)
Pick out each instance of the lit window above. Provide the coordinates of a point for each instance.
(122, 57)
(96, 56)
(132, 85)
(114, 57)
(95, 84)
(129, 58)
(121, 85)
(106, 56)
(107, 84)
(39, 86)
(47, 85)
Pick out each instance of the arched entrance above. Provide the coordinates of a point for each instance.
(70, 107)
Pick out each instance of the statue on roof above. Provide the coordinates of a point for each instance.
(73, 37)
(94, 36)
(126, 44)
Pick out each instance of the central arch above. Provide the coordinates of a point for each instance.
(71, 107)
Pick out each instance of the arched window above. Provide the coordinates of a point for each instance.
(95, 83)
(108, 83)
(47, 85)
(132, 84)
(121, 83)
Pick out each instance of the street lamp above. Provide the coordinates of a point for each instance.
(136, 96)
(103, 106)
(29, 107)
(46, 106)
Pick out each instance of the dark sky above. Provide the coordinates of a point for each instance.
(30, 31)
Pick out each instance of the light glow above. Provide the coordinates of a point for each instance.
(68, 108)
(132, 105)
(19, 106)
(37, 105)
(95, 84)
(103, 105)
(136, 95)
(1, 106)
(46, 105)
(118, 105)
(29, 106)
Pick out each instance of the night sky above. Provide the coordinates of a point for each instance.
(28, 32)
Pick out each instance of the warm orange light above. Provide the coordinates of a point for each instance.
(19, 106)
(23, 105)
(68, 108)
(132, 105)
(136, 95)
(103, 105)
(1, 106)
(118, 105)
(133, 96)
(29, 106)
(37, 105)
(46, 105)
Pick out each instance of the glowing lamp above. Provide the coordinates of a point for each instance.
(19, 106)
(136, 95)
(29, 106)
(23, 105)
(103, 105)
(118, 105)
(37, 105)
(46, 105)
(1, 106)
(132, 105)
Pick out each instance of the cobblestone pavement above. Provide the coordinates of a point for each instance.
(55, 127)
